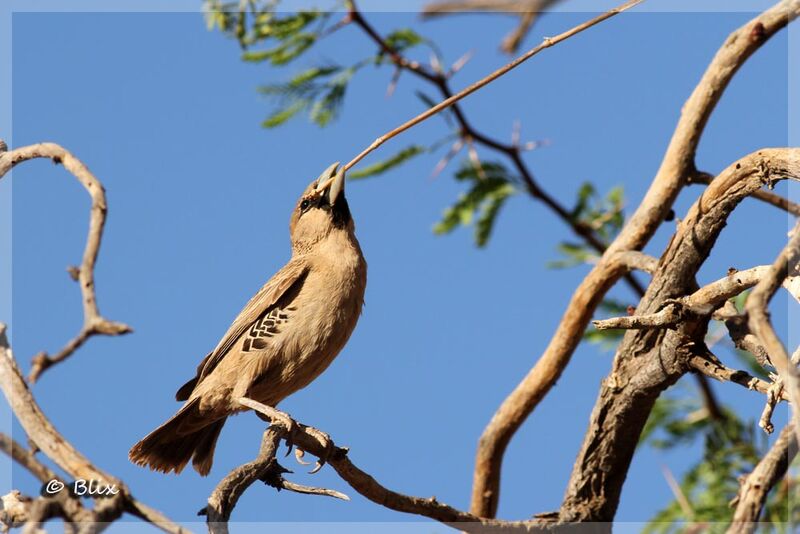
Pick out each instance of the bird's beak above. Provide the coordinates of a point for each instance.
(332, 180)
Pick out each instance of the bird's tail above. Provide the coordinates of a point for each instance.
(186, 436)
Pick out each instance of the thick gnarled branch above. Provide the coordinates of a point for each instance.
(648, 361)
(676, 167)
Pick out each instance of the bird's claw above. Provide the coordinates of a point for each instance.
(327, 444)
(298, 455)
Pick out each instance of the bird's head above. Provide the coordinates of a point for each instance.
(322, 209)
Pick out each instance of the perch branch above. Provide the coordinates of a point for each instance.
(93, 322)
(309, 439)
(264, 468)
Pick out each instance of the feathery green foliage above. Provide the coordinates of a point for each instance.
(490, 185)
(602, 214)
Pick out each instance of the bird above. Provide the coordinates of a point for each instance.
(284, 338)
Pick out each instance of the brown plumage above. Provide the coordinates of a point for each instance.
(288, 333)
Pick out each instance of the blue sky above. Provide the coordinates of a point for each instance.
(167, 116)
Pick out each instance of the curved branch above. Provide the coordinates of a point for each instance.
(757, 485)
(468, 133)
(48, 440)
(767, 197)
(93, 322)
(648, 361)
(677, 165)
(758, 318)
(309, 439)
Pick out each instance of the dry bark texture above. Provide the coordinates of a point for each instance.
(664, 338)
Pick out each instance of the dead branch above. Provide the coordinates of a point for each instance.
(669, 316)
(14, 510)
(311, 440)
(759, 319)
(712, 367)
(48, 440)
(649, 361)
(449, 101)
(528, 12)
(26, 459)
(93, 322)
(704, 301)
(757, 485)
(264, 468)
(769, 197)
(676, 166)
(469, 134)
(633, 260)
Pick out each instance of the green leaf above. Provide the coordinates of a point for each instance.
(281, 116)
(312, 74)
(327, 107)
(283, 28)
(256, 56)
(574, 254)
(489, 211)
(285, 52)
(487, 193)
(403, 39)
(388, 164)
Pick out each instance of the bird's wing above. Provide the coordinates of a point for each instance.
(261, 315)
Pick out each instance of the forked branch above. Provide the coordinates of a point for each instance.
(676, 167)
(93, 322)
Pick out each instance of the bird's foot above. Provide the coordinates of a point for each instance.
(327, 446)
(275, 417)
(291, 427)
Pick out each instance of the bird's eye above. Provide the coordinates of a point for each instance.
(305, 204)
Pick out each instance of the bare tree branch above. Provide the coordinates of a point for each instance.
(759, 321)
(450, 100)
(93, 322)
(757, 485)
(311, 440)
(711, 367)
(528, 11)
(677, 165)
(769, 197)
(47, 439)
(469, 133)
(264, 468)
(704, 301)
(649, 361)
